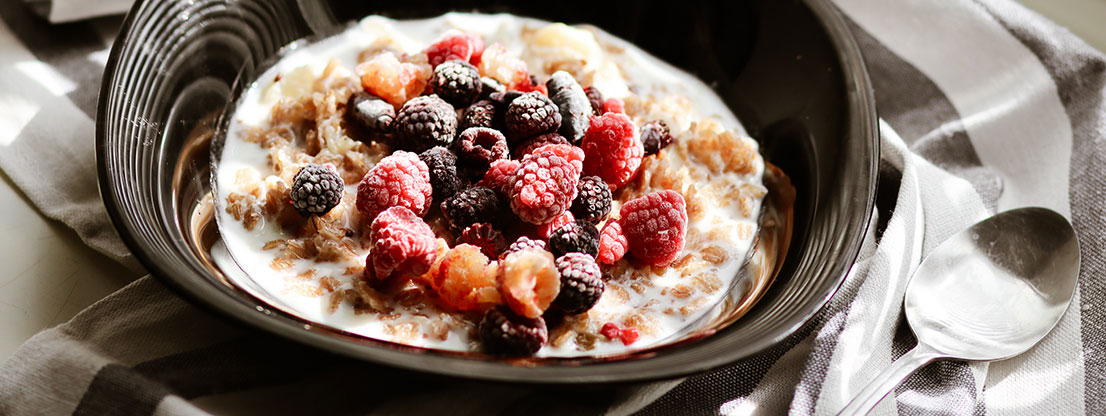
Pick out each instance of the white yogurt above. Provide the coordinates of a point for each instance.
(614, 73)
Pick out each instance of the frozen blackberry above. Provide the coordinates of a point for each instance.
(655, 136)
(369, 117)
(480, 114)
(593, 200)
(478, 147)
(473, 205)
(316, 189)
(457, 82)
(504, 98)
(444, 179)
(523, 243)
(596, 99)
(490, 86)
(505, 333)
(529, 115)
(484, 236)
(577, 237)
(425, 122)
(573, 104)
(581, 283)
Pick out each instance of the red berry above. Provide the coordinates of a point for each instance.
(547, 229)
(400, 179)
(628, 336)
(610, 330)
(655, 226)
(484, 236)
(534, 143)
(456, 45)
(500, 176)
(613, 105)
(402, 245)
(545, 183)
(612, 244)
(612, 150)
(465, 280)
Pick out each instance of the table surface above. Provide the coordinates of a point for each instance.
(47, 275)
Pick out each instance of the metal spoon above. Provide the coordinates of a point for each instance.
(988, 293)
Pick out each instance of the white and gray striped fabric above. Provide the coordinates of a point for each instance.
(985, 105)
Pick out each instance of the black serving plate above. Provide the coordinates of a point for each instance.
(789, 69)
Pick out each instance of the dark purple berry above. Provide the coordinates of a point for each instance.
(316, 189)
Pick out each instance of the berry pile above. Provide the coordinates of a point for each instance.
(504, 158)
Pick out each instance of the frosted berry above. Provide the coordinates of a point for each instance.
(655, 136)
(484, 236)
(473, 205)
(655, 226)
(532, 144)
(529, 115)
(503, 332)
(478, 147)
(547, 229)
(442, 165)
(595, 98)
(500, 176)
(316, 189)
(545, 183)
(457, 82)
(593, 200)
(523, 243)
(572, 103)
(425, 122)
(612, 244)
(400, 179)
(528, 281)
(465, 280)
(480, 114)
(497, 62)
(455, 45)
(402, 245)
(396, 82)
(581, 283)
(612, 150)
(614, 105)
(577, 237)
(489, 86)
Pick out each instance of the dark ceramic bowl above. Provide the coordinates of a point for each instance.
(789, 69)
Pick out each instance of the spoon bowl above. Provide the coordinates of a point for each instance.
(988, 293)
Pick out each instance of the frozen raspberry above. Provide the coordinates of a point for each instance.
(505, 333)
(500, 176)
(581, 283)
(528, 281)
(402, 245)
(504, 99)
(489, 86)
(613, 105)
(655, 226)
(529, 115)
(593, 200)
(612, 150)
(523, 243)
(577, 237)
(596, 99)
(465, 280)
(369, 117)
(400, 179)
(547, 229)
(396, 82)
(612, 244)
(442, 165)
(425, 122)
(497, 62)
(531, 84)
(316, 189)
(538, 141)
(485, 236)
(457, 82)
(480, 114)
(655, 136)
(545, 183)
(572, 103)
(455, 45)
(478, 147)
(473, 205)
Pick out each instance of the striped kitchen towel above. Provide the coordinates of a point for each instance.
(986, 107)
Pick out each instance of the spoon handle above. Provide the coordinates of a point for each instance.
(887, 380)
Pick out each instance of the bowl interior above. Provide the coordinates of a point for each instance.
(789, 70)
